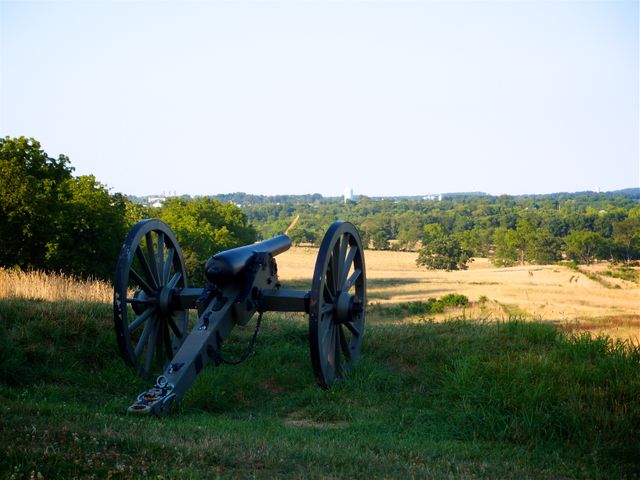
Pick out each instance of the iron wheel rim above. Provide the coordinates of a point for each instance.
(151, 263)
(335, 345)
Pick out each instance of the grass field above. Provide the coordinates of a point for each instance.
(509, 394)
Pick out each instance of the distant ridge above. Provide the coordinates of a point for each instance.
(242, 198)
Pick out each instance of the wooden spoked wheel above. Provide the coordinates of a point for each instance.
(150, 266)
(337, 304)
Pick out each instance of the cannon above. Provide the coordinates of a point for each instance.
(152, 301)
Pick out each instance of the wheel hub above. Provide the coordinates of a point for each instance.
(344, 308)
(164, 300)
(140, 305)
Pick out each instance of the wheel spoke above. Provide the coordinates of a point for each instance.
(352, 279)
(331, 349)
(152, 257)
(175, 328)
(141, 282)
(341, 260)
(338, 347)
(335, 267)
(145, 267)
(344, 345)
(342, 285)
(143, 338)
(167, 341)
(138, 301)
(167, 265)
(327, 327)
(352, 328)
(151, 347)
(326, 308)
(174, 280)
(160, 269)
(329, 297)
(138, 321)
(328, 279)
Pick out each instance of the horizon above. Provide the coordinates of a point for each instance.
(357, 195)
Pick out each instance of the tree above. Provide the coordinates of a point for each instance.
(527, 243)
(88, 231)
(544, 248)
(377, 230)
(444, 253)
(506, 252)
(204, 227)
(32, 192)
(583, 246)
(478, 240)
(431, 232)
(626, 236)
(303, 234)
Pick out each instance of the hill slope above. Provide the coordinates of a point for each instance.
(430, 400)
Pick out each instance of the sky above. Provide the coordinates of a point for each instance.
(291, 97)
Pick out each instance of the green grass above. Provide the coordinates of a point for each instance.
(427, 400)
(430, 307)
(623, 272)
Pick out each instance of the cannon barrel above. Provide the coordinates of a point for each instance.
(231, 262)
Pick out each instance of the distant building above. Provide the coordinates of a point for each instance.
(348, 195)
(433, 197)
(156, 202)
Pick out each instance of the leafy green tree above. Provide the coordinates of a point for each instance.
(506, 253)
(527, 243)
(409, 230)
(444, 253)
(89, 230)
(478, 240)
(377, 230)
(380, 240)
(303, 234)
(431, 232)
(32, 192)
(204, 227)
(134, 212)
(544, 248)
(626, 235)
(583, 246)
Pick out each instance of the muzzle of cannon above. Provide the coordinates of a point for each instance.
(152, 300)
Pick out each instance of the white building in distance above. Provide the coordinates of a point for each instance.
(348, 194)
(433, 197)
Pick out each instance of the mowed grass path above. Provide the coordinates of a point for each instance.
(457, 399)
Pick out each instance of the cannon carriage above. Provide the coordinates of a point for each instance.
(152, 300)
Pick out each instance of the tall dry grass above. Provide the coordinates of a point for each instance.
(52, 287)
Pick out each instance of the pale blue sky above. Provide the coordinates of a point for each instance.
(389, 98)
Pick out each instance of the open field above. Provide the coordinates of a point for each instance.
(542, 292)
(584, 300)
(469, 393)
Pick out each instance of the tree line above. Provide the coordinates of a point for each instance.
(53, 220)
(509, 230)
